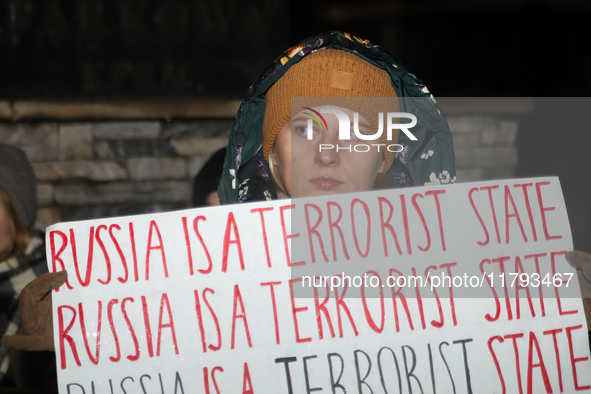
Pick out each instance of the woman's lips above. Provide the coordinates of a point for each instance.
(325, 183)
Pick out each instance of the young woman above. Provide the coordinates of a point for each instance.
(22, 258)
(266, 157)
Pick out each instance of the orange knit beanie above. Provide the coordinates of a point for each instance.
(333, 77)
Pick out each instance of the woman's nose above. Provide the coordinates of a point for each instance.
(327, 149)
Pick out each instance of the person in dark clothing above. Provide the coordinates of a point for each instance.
(205, 185)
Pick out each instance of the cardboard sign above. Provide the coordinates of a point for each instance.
(451, 289)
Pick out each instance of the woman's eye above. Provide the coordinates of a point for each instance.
(301, 130)
(363, 130)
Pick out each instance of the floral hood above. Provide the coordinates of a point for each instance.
(429, 160)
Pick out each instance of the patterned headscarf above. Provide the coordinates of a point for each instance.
(429, 160)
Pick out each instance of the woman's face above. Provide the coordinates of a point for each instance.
(306, 170)
(6, 237)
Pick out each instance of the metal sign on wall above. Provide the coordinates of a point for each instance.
(137, 48)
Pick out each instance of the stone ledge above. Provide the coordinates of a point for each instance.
(119, 109)
(466, 140)
(486, 105)
(483, 174)
(487, 158)
(469, 175)
(91, 170)
(135, 148)
(112, 210)
(123, 193)
(470, 124)
(39, 141)
(197, 128)
(151, 168)
(198, 146)
(125, 130)
(503, 133)
(75, 140)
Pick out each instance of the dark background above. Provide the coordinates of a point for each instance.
(95, 49)
(470, 47)
(112, 49)
(216, 48)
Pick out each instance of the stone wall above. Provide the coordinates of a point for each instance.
(485, 146)
(89, 169)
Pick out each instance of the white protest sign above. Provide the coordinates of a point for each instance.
(251, 298)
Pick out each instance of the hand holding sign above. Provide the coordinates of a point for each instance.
(35, 308)
(582, 262)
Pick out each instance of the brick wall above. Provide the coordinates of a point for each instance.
(89, 169)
